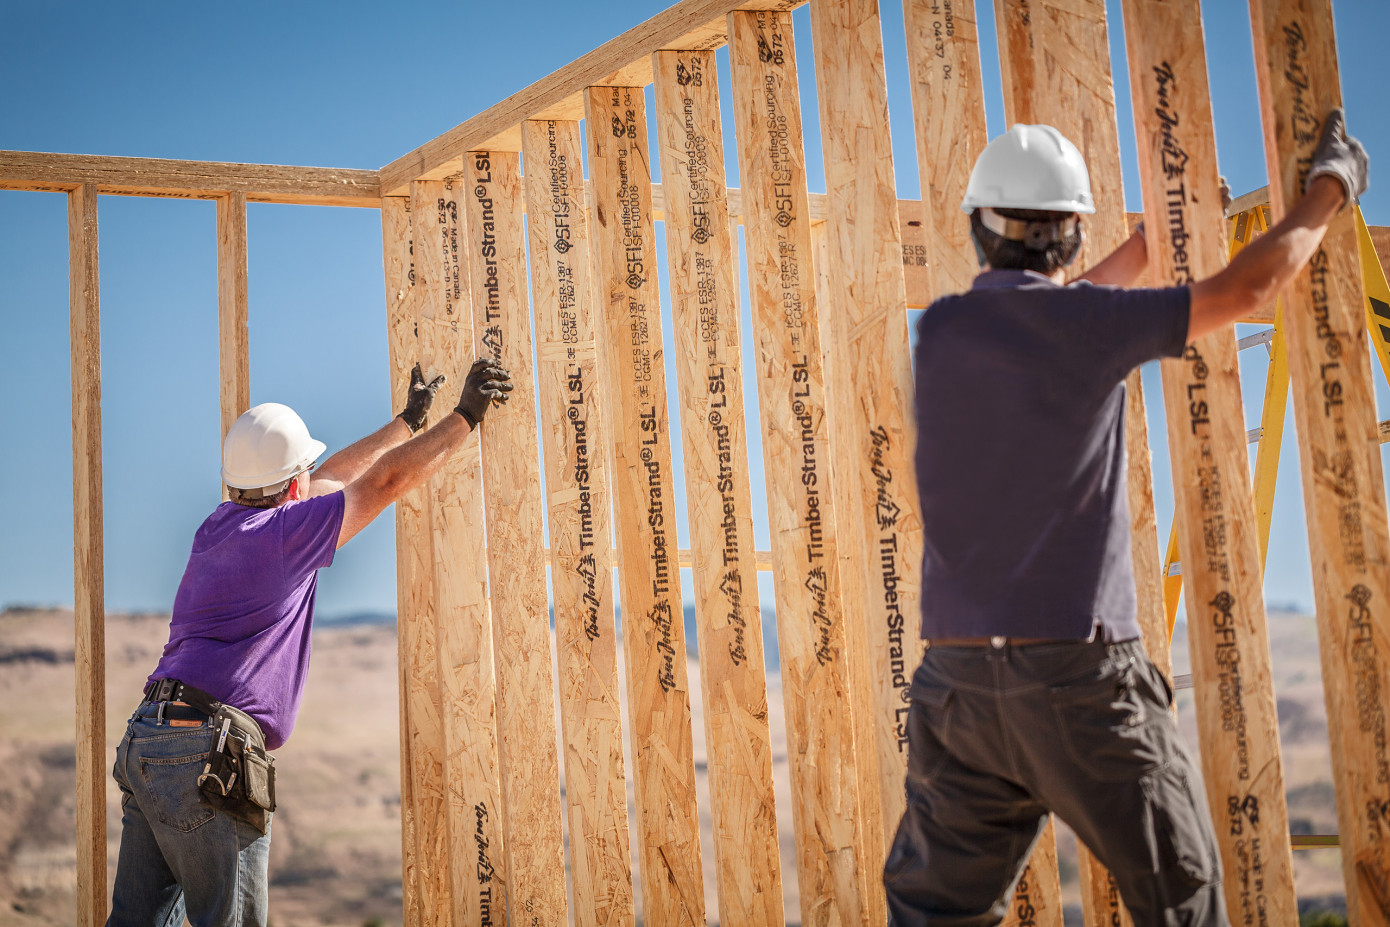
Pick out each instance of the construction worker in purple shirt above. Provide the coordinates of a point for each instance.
(1035, 694)
(197, 784)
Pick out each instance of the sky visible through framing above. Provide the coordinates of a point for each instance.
(341, 86)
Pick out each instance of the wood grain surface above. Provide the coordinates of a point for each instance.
(634, 371)
(811, 618)
(1222, 574)
(1334, 411)
(463, 624)
(88, 554)
(704, 306)
(495, 245)
(574, 438)
(422, 766)
(233, 339)
(948, 108)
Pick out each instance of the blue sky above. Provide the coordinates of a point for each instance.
(356, 85)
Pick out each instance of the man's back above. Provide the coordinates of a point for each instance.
(242, 617)
(1020, 456)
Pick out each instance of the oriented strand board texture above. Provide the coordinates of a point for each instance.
(462, 620)
(1037, 900)
(421, 736)
(574, 439)
(948, 108)
(624, 259)
(867, 314)
(1217, 529)
(89, 583)
(1334, 409)
(234, 343)
(796, 458)
(704, 308)
(495, 243)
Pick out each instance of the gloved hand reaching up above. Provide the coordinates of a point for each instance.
(487, 382)
(419, 399)
(1341, 156)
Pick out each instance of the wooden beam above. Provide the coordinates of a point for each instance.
(530, 771)
(644, 507)
(1218, 532)
(463, 625)
(1059, 74)
(703, 281)
(811, 616)
(206, 180)
(1334, 409)
(621, 62)
(871, 414)
(948, 108)
(574, 435)
(89, 584)
(423, 843)
(234, 346)
(423, 802)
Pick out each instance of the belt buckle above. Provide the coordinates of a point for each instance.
(998, 641)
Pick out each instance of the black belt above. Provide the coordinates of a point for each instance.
(196, 705)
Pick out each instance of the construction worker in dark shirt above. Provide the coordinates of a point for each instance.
(1035, 694)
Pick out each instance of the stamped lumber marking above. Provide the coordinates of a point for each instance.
(463, 624)
(644, 505)
(704, 296)
(872, 420)
(576, 477)
(530, 774)
(1334, 408)
(948, 107)
(796, 455)
(1229, 637)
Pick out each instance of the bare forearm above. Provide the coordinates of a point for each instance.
(413, 462)
(1267, 265)
(1123, 266)
(354, 460)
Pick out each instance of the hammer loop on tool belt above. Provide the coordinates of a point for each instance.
(238, 776)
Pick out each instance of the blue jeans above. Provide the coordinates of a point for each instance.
(180, 856)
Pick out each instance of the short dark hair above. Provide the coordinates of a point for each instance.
(1006, 254)
(256, 498)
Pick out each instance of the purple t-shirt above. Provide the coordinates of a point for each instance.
(242, 618)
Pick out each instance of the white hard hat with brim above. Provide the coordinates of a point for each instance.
(267, 445)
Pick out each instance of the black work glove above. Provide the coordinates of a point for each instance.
(487, 382)
(419, 398)
(1341, 156)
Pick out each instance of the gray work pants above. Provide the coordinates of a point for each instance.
(1000, 737)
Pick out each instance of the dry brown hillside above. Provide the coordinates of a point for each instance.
(335, 857)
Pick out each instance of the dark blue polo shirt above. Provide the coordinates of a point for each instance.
(1021, 453)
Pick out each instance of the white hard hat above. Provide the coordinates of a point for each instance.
(267, 445)
(1030, 167)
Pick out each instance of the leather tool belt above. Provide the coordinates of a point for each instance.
(238, 776)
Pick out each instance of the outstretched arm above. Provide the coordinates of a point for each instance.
(401, 468)
(1267, 265)
(352, 461)
(1337, 176)
(1123, 266)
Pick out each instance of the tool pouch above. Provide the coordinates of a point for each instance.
(239, 776)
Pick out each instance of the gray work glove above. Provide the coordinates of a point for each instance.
(419, 398)
(487, 382)
(1341, 156)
